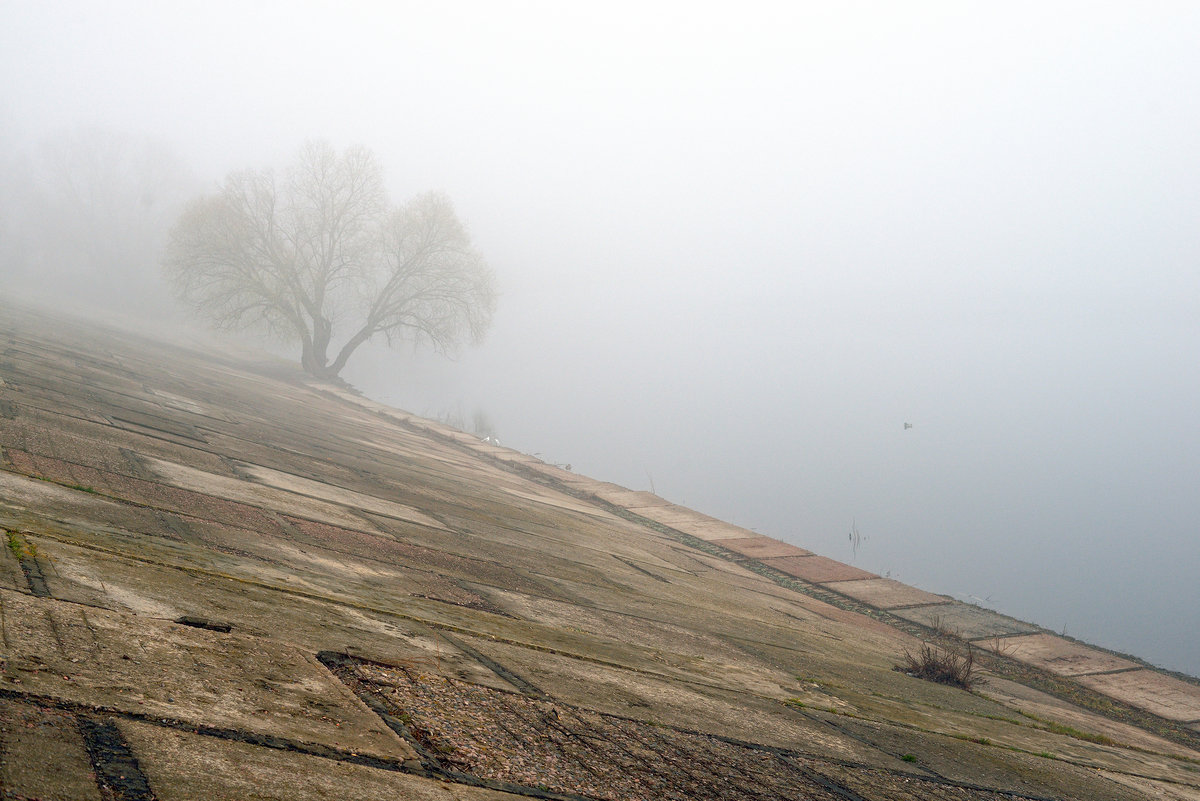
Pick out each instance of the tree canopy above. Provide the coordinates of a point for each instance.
(320, 255)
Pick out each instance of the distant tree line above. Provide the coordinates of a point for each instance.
(84, 215)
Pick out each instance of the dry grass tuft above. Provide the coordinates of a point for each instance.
(942, 666)
(942, 628)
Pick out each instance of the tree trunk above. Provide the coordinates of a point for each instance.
(343, 356)
(314, 357)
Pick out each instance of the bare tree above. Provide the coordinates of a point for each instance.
(321, 252)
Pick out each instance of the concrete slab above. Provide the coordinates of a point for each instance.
(87, 443)
(1048, 708)
(817, 569)
(516, 457)
(157, 426)
(671, 514)
(883, 593)
(1058, 655)
(251, 494)
(689, 521)
(180, 403)
(20, 491)
(327, 492)
(543, 495)
(761, 547)
(165, 496)
(991, 765)
(12, 577)
(552, 471)
(85, 575)
(584, 485)
(1161, 791)
(42, 754)
(488, 449)
(182, 766)
(967, 621)
(154, 667)
(711, 530)
(629, 499)
(1165, 696)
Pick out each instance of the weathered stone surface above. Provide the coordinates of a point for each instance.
(182, 766)
(986, 763)
(144, 666)
(1059, 655)
(1038, 705)
(1154, 789)
(817, 569)
(1163, 695)
(692, 522)
(628, 499)
(883, 593)
(42, 754)
(966, 621)
(761, 547)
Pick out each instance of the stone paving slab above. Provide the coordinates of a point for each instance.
(967, 621)
(1047, 707)
(489, 449)
(584, 485)
(80, 442)
(21, 492)
(1058, 655)
(516, 457)
(817, 569)
(156, 426)
(689, 521)
(11, 575)
(338, 495)
(884, 593)
(672, 514)
(985, 763)
(53, 433)
(761, 547)
(552, 471)
(629, 499)
(1165, 696)
(180, 403)
(711, 530)
(1161, 791)
(106, 659)
(543, 495)
(95, 578)
(253, 494)
(42, 754)
(171, 497)
(182, 766)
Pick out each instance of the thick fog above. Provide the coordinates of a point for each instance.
(739, 248)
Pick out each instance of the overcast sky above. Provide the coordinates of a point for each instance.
(740, 245)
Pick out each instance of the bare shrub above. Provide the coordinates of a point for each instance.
(1001, 647)
(942, 666)
(942, 628)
